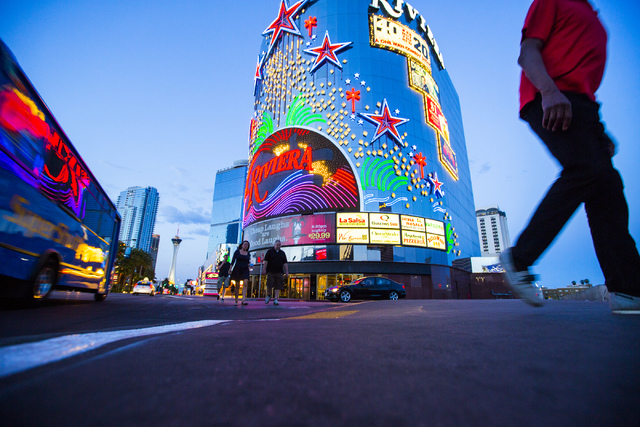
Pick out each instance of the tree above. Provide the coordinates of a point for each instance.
(132, 268)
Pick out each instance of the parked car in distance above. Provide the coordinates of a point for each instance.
(366, 288)
(144, 288)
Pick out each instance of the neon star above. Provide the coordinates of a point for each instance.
(436, 186)
(283, 23)
(258, 75)
(386, 123)
(327, 52)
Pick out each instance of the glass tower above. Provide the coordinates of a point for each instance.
(226, 212)
(138, 207)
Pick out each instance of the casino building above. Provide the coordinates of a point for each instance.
(358, 161)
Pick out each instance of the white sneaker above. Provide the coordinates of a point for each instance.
(624, 304)
(275, 302)
(266, 300)
(520, 282)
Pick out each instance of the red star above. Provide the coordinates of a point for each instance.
(283, 23)
(258, 75)
(386, 123)
(436, 184)
(327, 52)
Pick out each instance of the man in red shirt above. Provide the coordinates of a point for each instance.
(562, 54)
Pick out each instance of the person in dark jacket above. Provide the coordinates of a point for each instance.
(240, 270)
(223, 277)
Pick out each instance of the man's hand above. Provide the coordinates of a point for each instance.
(555, 106)
(557, 111)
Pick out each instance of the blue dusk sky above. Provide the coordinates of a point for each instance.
(159, 93)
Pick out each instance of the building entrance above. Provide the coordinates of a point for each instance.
(299, 287)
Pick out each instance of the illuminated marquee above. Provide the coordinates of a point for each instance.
(421, 79)
(384, 237)
(353, 220)
(388, 34)
(297, 170)
(410, 13)
(384, 220)
(352, 235)
(381, 228)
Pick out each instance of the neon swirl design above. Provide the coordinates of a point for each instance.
(300, 115)
(380, 174)
(298, 192)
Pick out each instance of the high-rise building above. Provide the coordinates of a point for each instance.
(138, 207)
(155, 244)
(226, 211)
(493, 230)
(358, 160)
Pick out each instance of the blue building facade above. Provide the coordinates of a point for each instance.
(358, 155)
(226, 212)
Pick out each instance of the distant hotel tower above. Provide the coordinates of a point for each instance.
(493, 230)
(138, 207)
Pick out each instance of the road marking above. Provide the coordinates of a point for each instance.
(326, 315)
(21, 357)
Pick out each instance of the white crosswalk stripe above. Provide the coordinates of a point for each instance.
(21, 357)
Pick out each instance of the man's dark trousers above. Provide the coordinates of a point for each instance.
(588, 177)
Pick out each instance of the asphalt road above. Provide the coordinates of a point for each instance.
(378, 363)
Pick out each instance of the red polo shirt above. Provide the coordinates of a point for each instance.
(574, 47)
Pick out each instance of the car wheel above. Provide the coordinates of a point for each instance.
(44, 280)
(393, 295)
(152, 293)
(100, 297)
(345, 296)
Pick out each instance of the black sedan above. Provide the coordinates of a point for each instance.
(367, 288)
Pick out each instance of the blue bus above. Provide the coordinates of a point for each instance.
(58, 228)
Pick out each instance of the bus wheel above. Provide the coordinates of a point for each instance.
(100, 297)
(44, 281)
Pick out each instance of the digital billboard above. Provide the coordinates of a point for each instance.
(294, 230)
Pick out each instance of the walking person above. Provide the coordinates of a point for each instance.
(276, 267)
(563, 52)
(240, 270)
(223, 277)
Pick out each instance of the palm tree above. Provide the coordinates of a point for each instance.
(136, 266)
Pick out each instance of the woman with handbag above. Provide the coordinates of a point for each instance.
(240, 270)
